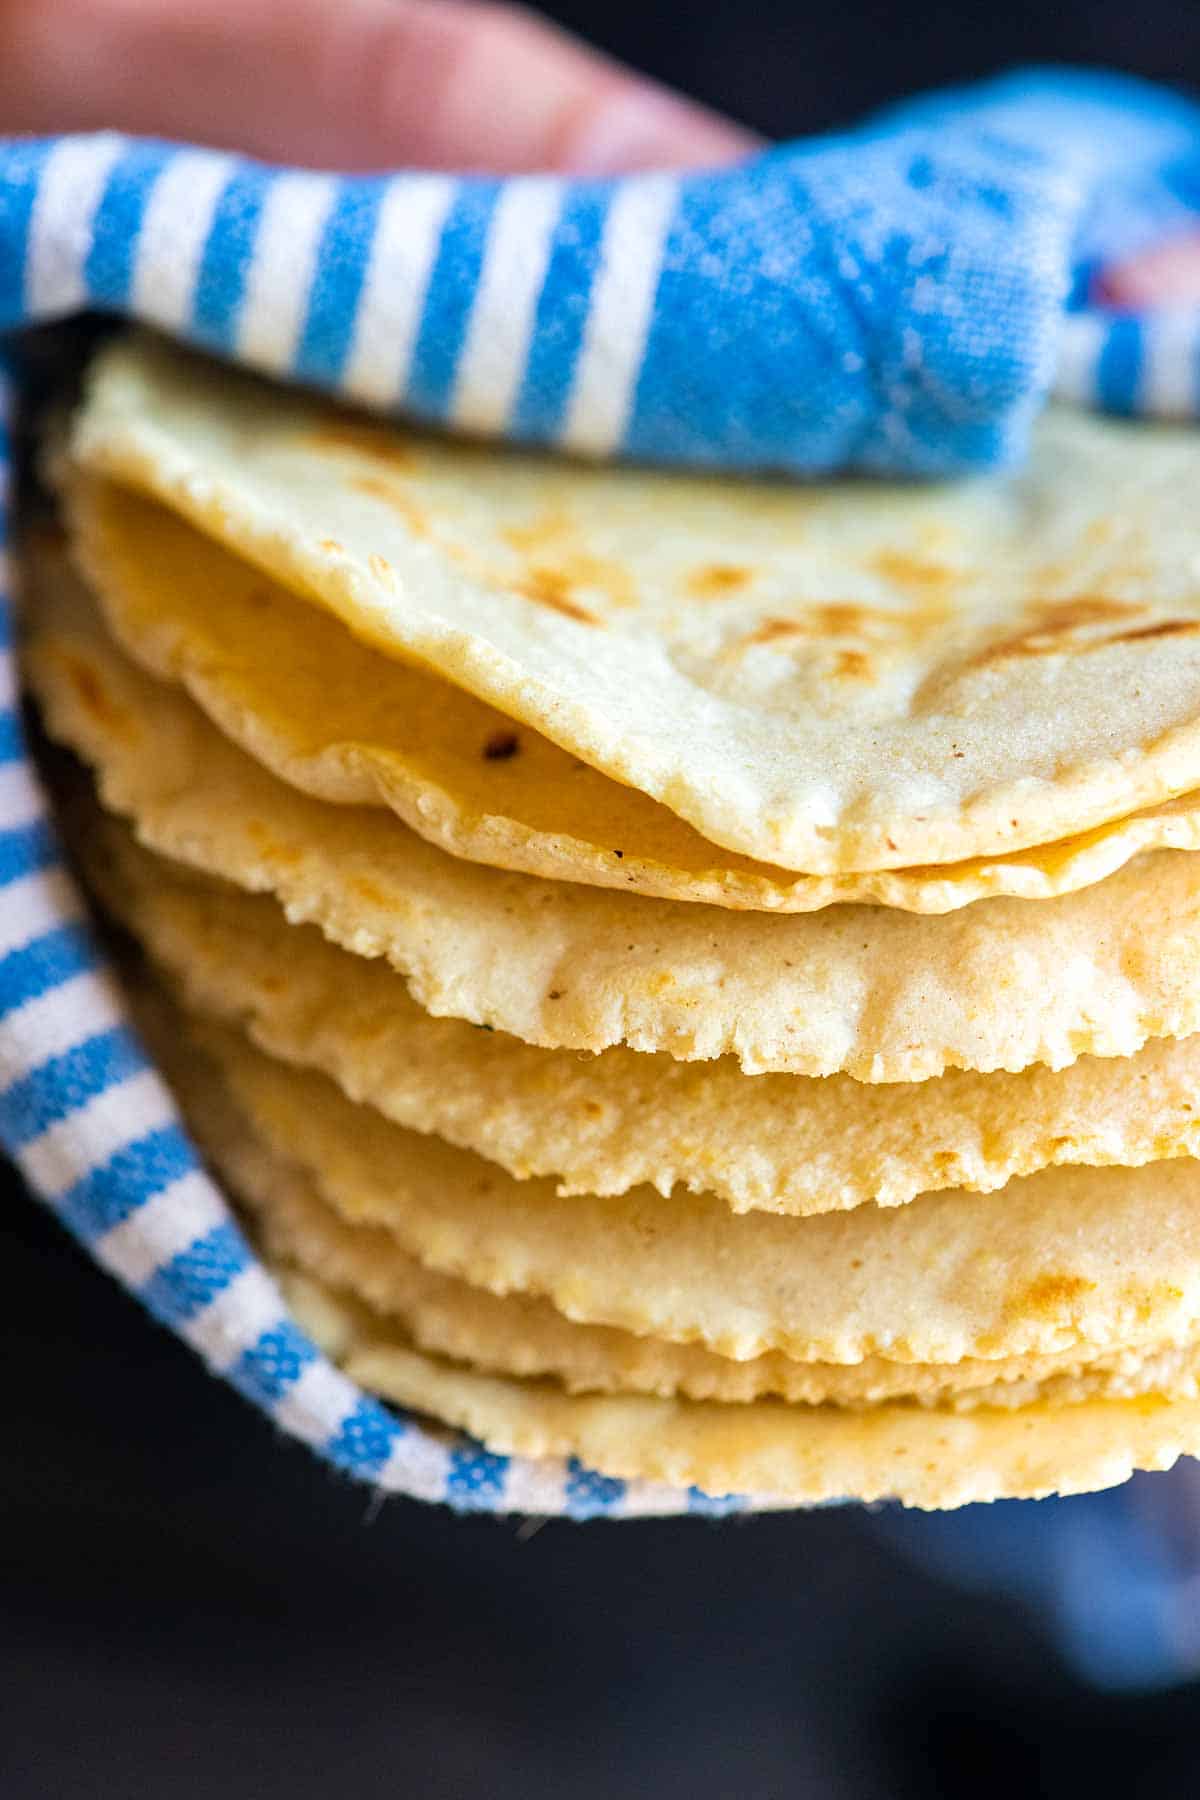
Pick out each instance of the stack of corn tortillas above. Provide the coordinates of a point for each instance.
(697, 975)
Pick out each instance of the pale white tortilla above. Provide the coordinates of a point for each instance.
(293, 687)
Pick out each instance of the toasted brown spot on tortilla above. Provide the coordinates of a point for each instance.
(768, 630)
(1051, 624)
(713, 579)
(1082, 609)
(909, 571)
(550, 587)
(843, 619)
(853, 664)
(269, 845)
(556, 555)
(363, 439)
(393, 495)
(846, 619)
(1165, 628)
(1149, 1301)
(94, 698)
(368, 891)
(1049, 1296)
(548, 528)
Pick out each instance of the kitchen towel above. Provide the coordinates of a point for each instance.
(901, 299)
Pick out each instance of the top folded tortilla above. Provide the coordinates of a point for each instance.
(850, 677)
(338, 720)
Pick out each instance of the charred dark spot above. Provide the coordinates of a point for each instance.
(555, 994)
(501, 746)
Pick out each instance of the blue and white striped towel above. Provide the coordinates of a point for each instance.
(902, 298)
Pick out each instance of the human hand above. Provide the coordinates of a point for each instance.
(1166, 276)
(347, 84)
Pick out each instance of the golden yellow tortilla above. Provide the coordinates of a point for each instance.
(1100, 1258)
(794, 1455)
(603, 1124)
(514, 1334)
(879, 994)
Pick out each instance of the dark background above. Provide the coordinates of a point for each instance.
(189, 1607)
(793, 66)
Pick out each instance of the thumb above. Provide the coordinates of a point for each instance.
(1168, 275)
(348, 84)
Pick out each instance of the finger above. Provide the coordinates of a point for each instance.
(1166, 276)
(351, 84)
